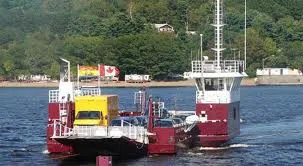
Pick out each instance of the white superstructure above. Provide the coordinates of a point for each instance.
(217, 80)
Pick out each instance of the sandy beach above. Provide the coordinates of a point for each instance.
(186, 83)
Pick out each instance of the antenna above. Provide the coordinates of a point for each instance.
(245, 28)
(202, 69)
(64, 71)
(201, 46)
(218, 24)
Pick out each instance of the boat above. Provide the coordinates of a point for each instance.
(82, 121)
(217, 90)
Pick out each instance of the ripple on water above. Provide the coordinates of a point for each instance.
(271, 128)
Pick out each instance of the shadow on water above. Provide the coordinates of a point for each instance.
(64, 160)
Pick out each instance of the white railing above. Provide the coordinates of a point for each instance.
(61, 130)
(53, 96)
(210, 66)
(90, 131)
(137, 133)
(217, 97)
(90, 91)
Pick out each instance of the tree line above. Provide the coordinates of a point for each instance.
(34, 34)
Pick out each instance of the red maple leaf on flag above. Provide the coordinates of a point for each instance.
(105, 70)
(109, 70)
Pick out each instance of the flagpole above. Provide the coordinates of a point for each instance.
(99, 86)
(245, 34)
(78, 76)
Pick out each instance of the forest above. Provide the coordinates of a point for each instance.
(34, 34)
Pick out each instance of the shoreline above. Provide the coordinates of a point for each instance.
(248, 82)
(113, 84)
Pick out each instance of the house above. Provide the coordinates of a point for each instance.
(164, 28)
(278, 71)
(191, 33)
(34, 77)
(136, 78)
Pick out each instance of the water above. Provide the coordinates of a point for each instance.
(271, 129)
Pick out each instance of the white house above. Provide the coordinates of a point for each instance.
(137, 78)
(278, 71)
(164, 28)
(191, 32)
(34, 77)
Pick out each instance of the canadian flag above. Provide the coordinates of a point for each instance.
(108, 71)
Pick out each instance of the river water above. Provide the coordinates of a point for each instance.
(271, 128)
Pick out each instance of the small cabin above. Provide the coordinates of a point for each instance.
(278, 72)
(164, 28)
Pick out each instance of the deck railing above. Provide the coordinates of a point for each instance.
(54, 94)
(61, 130)
(137, 133)
(90, 91)
(210, 66)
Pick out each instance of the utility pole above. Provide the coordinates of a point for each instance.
(130, 9)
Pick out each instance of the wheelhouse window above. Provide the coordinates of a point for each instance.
(214, 84)
(88, 115)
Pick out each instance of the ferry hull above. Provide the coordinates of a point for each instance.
(222, 124)
(117, 147)
(54, 146)
(170, 140)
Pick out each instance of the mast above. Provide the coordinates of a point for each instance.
(201, 59)
(218, 24)
(65, 71)
(245, 31)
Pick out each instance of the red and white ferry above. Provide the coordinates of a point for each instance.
(218, 90)
(82, 121)
(217, 119)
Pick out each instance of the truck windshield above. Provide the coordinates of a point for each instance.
(88, 115)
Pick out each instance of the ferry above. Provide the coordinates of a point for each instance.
(85, 122)
(217, 90)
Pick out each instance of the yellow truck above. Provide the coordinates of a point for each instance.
(95, 110)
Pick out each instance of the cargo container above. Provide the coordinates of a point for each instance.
(95, 110)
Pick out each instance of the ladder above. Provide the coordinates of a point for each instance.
(139, 100)
(63, 112)
(158, 108)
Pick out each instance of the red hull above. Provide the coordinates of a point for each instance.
(169, 140)
(223, 123)
(54, 146)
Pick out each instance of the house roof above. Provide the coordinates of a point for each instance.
(191, 32)
(162, 25)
